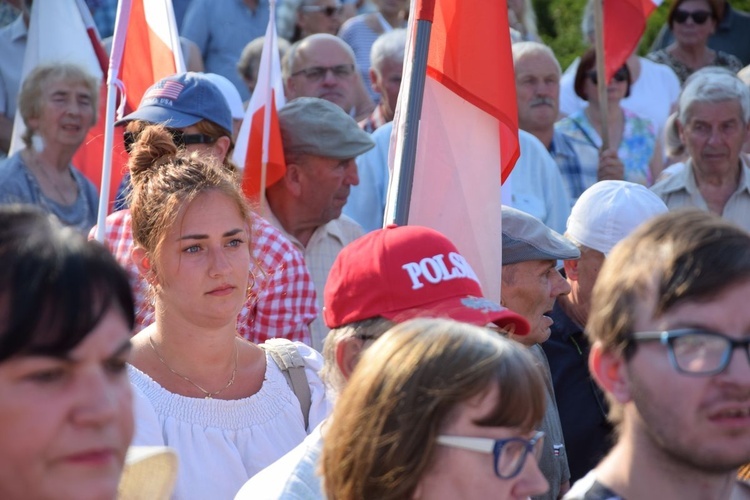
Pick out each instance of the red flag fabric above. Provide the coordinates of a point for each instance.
(148, 49)
(624, 24)
(259, 151)
(468, 131)
(88, 158)
(470, 55)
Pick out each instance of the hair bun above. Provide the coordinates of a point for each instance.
(154, 147)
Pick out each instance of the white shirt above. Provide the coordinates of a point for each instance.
(222, 443)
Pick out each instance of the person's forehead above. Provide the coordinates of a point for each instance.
(324, 53)
(65, 85)
(714, 111)
(536, 62)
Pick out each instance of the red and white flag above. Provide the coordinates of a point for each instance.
(145, 47)
(468, 130)
(259, 152)
(624, 24)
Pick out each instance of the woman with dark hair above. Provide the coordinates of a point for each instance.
(692, 22)
(631, 137)
(437, 409)
(65, 400)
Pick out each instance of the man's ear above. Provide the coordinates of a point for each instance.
(374, 81)
(142, 261)
(610, 371)
(348, 351)
(293, 178)
(571, 269)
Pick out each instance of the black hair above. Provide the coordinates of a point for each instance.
(55, 286)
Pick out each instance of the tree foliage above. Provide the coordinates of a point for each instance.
(559, 23)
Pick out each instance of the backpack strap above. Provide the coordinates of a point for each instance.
(292, 365)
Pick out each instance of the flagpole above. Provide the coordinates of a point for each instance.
(118, 41)
(267, 115)
(601, 82)
(424, 16)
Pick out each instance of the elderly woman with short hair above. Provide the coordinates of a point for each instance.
(58, 103)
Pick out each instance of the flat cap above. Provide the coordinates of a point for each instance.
(527, 238)
(318, 127)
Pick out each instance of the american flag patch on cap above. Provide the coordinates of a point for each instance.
(165, 89)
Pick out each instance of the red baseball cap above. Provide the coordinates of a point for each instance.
(405, 272)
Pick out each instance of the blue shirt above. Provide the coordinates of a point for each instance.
(221, 29)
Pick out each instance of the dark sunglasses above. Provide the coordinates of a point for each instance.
(620, 76)
(699, 16)
(328, 11)
(179, 137)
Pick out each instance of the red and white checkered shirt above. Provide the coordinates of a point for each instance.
(283, 302)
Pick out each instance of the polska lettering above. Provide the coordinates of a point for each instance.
(434, 270)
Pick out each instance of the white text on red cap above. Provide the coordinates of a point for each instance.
(434, 270)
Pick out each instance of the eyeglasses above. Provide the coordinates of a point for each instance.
(621, 75)
(696, 352)
(178, 136)
(328, 11)
(510, 454)
(699, 16)
(317, 73)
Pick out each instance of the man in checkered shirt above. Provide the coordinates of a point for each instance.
(282, 299)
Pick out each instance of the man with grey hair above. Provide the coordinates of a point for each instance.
(320, 143)
(386, 68)
(604, 214)
(713, 123)
(538, 92)
(323, 66)
(530, 285)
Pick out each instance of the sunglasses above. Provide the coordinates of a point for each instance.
(327, 11)
(699, 16)
(179, 137)
(620, 76)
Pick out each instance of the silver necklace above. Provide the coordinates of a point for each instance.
(209, 395)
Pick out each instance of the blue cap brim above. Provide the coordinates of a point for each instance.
(157, 114)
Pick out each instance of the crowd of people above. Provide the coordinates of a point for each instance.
(291, 346)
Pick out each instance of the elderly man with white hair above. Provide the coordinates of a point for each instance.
(713, 123)
(386, 68)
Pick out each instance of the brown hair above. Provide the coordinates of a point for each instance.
(716, 7)
(404, 391)
(682, 255)
(586, 64)
(165, 179)
(30, 97)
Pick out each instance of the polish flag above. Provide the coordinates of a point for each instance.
(145, 47)
(624, 24)
(259, 151)
(468, 130)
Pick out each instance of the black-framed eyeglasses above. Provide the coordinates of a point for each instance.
(509, 454)
(329, 11)
(317, 73)
(694, 351)
(699, 16)
(621, 75)
(179, 137)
